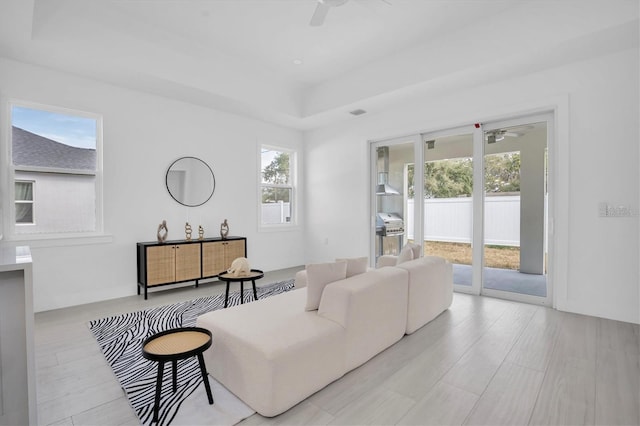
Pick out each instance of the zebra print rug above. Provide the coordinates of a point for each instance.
(120, 339)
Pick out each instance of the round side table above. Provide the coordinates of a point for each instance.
(252, 276)
(173, 345)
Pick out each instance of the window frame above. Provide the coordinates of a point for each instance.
(8, 187)
(292, 186)
(32, 202)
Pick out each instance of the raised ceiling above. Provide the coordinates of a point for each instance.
(237, 55)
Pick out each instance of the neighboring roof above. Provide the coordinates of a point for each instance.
(30, 149)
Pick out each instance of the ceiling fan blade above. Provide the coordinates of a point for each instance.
(320, 13)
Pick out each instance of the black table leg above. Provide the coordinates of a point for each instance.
(241, 292)
(226, 295)
(156, 406)
(203, 370)
(255, 293)
(175, 375)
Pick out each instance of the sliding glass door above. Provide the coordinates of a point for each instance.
(448, 201)
(515, 210)
(475, 195)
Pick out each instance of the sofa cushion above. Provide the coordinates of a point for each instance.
(415, 248)
(406, 254)
(355, 265)
(318, 276)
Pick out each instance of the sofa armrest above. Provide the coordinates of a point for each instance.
(430, 289)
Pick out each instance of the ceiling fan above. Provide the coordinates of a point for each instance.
(493, 136)
(322, 9)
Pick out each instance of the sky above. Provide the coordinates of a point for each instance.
(68, 129)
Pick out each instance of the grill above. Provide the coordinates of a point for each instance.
(389, 225)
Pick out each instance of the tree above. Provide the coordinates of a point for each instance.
(454, 178)
(502, 172)
(445, 178)
(278, 172)
(448, 178)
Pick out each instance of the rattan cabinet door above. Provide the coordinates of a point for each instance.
(187, 262)
(161, 265)
(212, 258)
(233, 250)
(218, 255)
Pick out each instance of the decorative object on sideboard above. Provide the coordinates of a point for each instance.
(224, 229)
(163, 231)
(190, 181)
(239, 267)
(200, 232)
(187, 231)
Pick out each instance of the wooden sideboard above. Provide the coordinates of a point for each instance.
(180, 261)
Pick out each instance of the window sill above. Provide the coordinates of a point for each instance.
(41, 241)
(278, 228)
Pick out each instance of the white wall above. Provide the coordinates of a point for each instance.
(596, 159)
(143, 135)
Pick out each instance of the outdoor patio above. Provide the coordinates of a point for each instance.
(503, 279)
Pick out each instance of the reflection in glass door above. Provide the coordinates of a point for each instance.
(515, 211)
(448, 202)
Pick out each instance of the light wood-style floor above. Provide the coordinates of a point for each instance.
(484, 361)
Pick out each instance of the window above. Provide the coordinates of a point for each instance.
(277, 188)
(54, 160)
(24, 202)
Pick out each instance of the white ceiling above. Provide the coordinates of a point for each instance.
(237, 55)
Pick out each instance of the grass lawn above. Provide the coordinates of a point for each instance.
(494, 256)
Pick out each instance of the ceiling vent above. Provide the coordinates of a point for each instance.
(357, 112)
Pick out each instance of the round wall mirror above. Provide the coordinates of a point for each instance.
(190, 181)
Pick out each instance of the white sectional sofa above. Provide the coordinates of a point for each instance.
(273, 353)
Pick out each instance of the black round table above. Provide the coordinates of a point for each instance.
(252, 276)
(173, 345)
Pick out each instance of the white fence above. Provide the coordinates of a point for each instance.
(273, 213)
(451, 219)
